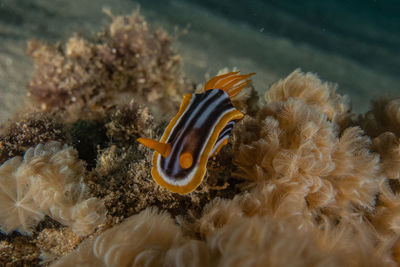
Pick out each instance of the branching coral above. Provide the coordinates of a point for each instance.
(47, 181)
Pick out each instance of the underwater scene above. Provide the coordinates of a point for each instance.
(199, 133)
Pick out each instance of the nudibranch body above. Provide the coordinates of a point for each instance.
(197, 132)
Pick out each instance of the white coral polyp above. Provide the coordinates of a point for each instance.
(48, 181)
(17, 208)
(87, 214)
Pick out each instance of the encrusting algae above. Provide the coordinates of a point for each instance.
(300, 182)
(128, 60)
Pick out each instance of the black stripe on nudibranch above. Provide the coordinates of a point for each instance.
(193, 130)
(198, 104)
(226, 131)
(224, 135)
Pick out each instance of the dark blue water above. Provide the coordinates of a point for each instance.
(366, 31)
(353, 43)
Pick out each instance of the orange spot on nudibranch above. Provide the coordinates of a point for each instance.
(186, 160)
(163, 149)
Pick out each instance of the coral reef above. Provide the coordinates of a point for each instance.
(313, 185)
(300, 183)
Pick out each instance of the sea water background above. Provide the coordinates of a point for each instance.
(353, 43)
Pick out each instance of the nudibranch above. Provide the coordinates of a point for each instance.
(197, 132)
